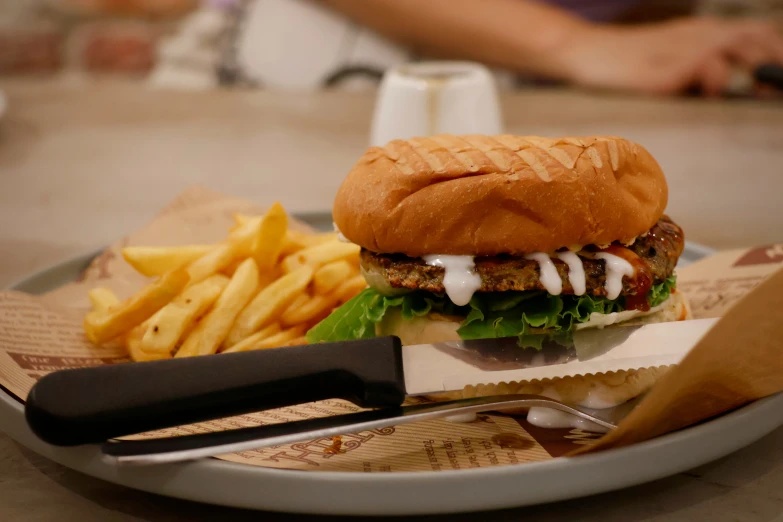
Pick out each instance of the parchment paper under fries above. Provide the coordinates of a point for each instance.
(40, 334)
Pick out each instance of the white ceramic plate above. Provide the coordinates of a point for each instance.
(407, 493)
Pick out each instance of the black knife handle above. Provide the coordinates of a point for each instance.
(88, 405)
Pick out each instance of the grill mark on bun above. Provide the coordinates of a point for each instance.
(592, 190)
(537, 166)
(614, 156)
(595, 159)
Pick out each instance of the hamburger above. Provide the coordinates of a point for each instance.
(470, 237)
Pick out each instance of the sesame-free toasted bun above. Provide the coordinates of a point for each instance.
(488, 195)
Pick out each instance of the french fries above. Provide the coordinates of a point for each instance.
(309, 240)
(296, 303)
(293, 240)
(269, 304)
(329, 276)
(246, 234)
(282, 338)
(220, 256)
(318, 255)
(350, 288)
(269, 241)
(261, 287)
(156, 261)
(317, 307)
(320, 305)
(274, 341)
(102, 327)
(167, 326)
(250, 342)
(133, 344)
(102, 299)
(215, 260)
(212, 330)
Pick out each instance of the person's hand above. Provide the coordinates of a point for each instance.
(669, 57)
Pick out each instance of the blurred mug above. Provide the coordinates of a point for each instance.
(425, 98)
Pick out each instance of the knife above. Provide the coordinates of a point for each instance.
(93, 405)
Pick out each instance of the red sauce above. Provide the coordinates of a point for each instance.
(665, 234)
(336, 446)
(642, 278)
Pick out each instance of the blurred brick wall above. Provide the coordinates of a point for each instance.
(44, 37)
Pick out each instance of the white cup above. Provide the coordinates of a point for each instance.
(426, 98)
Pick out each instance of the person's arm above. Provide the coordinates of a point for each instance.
(520, 35)
(529, 37)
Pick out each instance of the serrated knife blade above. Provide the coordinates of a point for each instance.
(449, 366)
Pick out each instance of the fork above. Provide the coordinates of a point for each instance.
(188, 447)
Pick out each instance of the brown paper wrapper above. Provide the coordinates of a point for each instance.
(41, 334)
(736, 362)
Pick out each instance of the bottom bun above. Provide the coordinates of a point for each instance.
(596, 391)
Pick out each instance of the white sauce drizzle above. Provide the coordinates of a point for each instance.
(616, 268)
(460, 280)
(592, 401)
(538, 359)
(595, 401)
(576, 271)
(549, 418)
(548, 273)
(461, 418)
(340, 236)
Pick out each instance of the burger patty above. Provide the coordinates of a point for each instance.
(653, 257)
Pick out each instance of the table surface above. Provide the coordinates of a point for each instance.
(80, 167)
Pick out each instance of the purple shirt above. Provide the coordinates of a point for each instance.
(595, 10)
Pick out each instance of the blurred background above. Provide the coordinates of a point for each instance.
(110, 108)
(655, 47)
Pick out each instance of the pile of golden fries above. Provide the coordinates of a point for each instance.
(262, 287)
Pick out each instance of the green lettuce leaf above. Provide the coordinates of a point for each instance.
(660, 293)
(539, 313)
(348, 322)
(530, 316)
